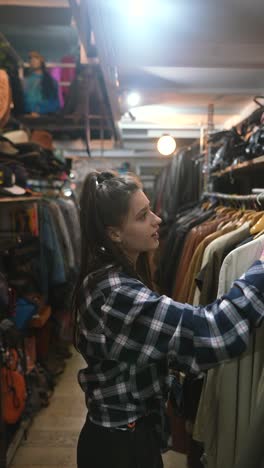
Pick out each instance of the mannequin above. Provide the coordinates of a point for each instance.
(40, 89)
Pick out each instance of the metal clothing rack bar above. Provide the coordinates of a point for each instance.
(255, 201)
(46, 183)
(257, 190)
(43, 186)
(224, 196)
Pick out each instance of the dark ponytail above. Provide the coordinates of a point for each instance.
(105, 202)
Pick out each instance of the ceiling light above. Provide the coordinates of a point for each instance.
(140, 12)
(67, 193)
(137, 8)
(133, 99)
(166, 145)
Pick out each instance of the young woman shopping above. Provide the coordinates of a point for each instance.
(127, 333)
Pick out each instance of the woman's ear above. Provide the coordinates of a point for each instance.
(114, 234)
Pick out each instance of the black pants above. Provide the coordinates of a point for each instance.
(100, 447)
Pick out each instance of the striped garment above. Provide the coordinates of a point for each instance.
(128, 334)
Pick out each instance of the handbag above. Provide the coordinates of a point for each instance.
(13, 389)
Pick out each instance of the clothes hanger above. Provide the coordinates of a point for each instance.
(255, 216)
(206, 206)
(233, 219)
(259, 234)
(259, 226)
(219, 209)
(250, 215)
(246, 217)
(225, 210)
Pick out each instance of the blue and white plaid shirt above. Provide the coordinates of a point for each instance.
(126, 333)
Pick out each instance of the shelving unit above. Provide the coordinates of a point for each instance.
(20, 199)
(240, 178)
(6, 455)
(253, 164)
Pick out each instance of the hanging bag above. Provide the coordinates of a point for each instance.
(13, 389)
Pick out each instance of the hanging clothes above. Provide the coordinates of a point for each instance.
(187, 291)
(214, 254)
(192, 242)
(252, 452)
(198, 242)
(71, 216)
(64, 236)
(52, 263)
(174, 245)
(229, 396)
(57, 243)
(178, 184)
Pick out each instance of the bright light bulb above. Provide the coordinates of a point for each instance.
(166, 145)
(67, 193)
(133, 99)
(137, 8)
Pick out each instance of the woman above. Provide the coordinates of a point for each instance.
(40, 89)
(126, 332)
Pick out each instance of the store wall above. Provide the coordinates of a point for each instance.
(145, 168)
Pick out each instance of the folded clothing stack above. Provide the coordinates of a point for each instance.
(28, 159)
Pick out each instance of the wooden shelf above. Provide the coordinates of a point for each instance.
(252, 164)
(19, 199)
(54, 122)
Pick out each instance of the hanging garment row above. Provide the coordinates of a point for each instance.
(208, 247)
(179, 184)
(45, 241)
(39, 262)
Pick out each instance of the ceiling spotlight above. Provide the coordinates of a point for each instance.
(133, 99)
(166, 145)
(137, 8)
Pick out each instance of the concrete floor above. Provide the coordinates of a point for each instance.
(52, 437)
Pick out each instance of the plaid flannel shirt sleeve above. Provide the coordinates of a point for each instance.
(142, 327)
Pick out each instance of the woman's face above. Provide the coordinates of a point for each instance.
(139, 232)
(35, 62)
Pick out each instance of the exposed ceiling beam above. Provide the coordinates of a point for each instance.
(200, 55)
(105, 53)
(196, 110)
(82, 18)
(201, 91)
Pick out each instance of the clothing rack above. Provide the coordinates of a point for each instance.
(225, 196)
(56, 184)
(7, 453)
(49, 187)
(255, 199)
(258, 190)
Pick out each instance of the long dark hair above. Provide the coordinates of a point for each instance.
(105, 202)
(48, 84)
